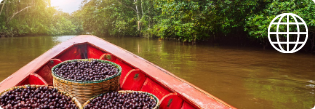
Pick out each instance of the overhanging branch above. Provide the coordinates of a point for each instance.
(17, 13)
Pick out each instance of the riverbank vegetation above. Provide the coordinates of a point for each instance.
(34, 17)
(184, 20)
(191, 20)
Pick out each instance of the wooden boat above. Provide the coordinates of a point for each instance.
(137, 73)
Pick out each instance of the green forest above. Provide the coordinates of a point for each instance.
(184, 20)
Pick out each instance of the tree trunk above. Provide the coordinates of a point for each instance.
(138, 16)
(2, 7)
(7, 7)
(137, 11)
(142, 8)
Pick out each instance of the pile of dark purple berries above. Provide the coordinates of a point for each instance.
(40, 98)
(85, 71)
(117, 100)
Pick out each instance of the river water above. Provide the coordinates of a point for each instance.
(244, 77)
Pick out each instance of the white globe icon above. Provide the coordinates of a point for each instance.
(289, 34)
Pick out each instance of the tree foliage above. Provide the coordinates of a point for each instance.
(257, 23)
(186, 20)
(21, 17)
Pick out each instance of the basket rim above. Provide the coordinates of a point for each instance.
(126, 91)
(74, 99)
(84, 82)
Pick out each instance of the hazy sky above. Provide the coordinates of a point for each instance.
(68, 6)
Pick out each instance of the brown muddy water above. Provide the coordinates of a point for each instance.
(244, 77)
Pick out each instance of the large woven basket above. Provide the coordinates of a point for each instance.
(84, 90)
(127, 91)
(78, 104)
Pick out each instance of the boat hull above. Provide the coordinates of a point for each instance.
(137, 73)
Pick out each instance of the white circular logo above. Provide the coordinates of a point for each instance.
(289, 33)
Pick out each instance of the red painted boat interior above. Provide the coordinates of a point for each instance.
(132, 78)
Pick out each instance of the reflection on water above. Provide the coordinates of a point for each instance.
(243, 77)
(15, 52)
(58, 39)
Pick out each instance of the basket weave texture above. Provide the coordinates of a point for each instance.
(84, 90)
(75, 100)
(127, 91)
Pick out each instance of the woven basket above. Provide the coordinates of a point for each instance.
(78, 104)
(84, 90)
(128, 91)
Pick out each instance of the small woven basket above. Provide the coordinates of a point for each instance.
(84, 90)
(127, 91)
(77, 103)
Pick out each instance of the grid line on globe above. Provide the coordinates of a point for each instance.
(284, 44)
